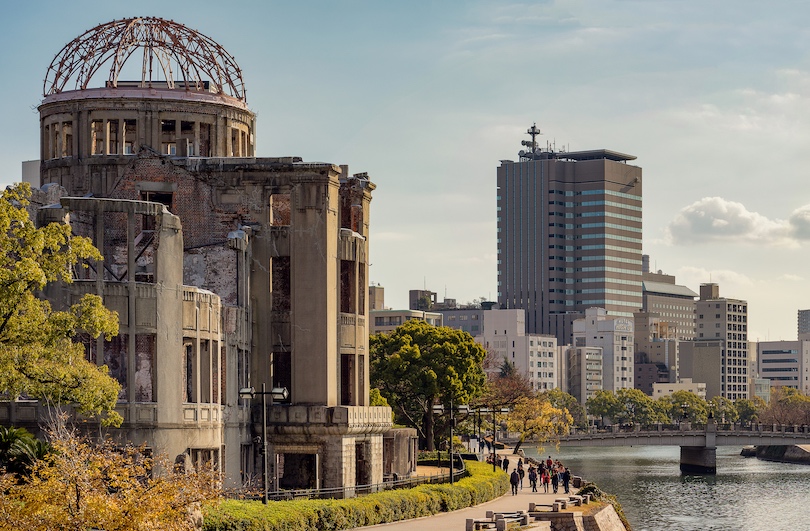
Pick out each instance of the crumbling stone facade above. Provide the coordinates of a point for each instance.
(228, 271)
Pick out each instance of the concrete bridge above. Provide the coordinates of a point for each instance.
(698, 443)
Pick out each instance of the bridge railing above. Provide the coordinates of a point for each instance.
(689, 426)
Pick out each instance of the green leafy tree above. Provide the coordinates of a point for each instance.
(723, 410)
(685, 405)
(603, 404)
(38, 355)
(748, 409)
(419, 365)
(637, 407)
(562, 400)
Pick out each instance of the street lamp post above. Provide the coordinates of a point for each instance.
(439, 409)
(495, 436)
(276, 393)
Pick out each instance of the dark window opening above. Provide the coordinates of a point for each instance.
(347, 390)
(348, 286)
(280, 283)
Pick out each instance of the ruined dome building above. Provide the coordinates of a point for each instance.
(227, 270)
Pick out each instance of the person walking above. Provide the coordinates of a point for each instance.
(546, 480)
(514, 479)
(555, 480)
(505, 464)
(566, 479)
(521, 473)
(533, 478)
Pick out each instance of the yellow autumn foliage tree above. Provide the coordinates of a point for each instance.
(38, 355)
(82, 486)
(537, 420)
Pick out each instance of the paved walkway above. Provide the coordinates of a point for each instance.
(456, 520)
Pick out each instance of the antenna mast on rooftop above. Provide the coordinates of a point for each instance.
(534, 132)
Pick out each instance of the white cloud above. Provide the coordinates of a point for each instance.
(715, 220)
(800, 223)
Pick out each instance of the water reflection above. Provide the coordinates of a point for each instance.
(746, 493)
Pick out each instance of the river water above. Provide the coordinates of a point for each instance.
(746, 494)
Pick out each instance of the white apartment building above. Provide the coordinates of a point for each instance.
(686, 384)
(614, 335)
(584, 372)
(504, 334)
(388, 320)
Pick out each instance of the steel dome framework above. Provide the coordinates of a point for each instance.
(163, 43)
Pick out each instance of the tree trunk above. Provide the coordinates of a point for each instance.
(517, 446)
(430, 442)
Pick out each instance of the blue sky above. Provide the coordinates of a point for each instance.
(712, 97)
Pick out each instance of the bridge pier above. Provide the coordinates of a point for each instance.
(698, 460)
(701, 459)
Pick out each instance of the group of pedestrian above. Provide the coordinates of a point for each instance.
(548, 472)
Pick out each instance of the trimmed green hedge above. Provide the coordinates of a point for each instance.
(389, 506)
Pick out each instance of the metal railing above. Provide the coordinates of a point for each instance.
(360, 490)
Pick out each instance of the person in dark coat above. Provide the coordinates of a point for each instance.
(533, 478)
(506, 464)
(566, 477)
(514, 479)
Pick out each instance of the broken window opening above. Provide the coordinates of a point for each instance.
(116, 359)
(149, 223)
(205, 372)
(362, 288)
(279, 210)
(348, 286)
(168, 137)
(144, 373)
(347, 388)
(219, 381)
(361, 380)
(112, 134)
(130, 136)
(242, 372)
(280, 283)
(67, 139)
(235, 142)
(97, 137)
(188, 374)
(282, 371)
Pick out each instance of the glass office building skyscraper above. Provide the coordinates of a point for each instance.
(569, 236)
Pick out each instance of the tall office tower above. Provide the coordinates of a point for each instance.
(722, 326)
(569, 236)
(804, 324)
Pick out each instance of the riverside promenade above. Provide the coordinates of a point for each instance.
(456, 520)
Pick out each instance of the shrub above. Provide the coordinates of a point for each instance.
(389, 506)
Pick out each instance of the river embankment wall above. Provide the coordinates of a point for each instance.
(605, 519)
(798, 454)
